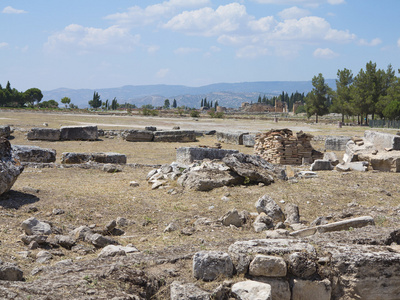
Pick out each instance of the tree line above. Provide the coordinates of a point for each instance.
(372, 92)
(11, 97)
(284, 97)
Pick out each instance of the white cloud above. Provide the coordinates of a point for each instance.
(162, 73)
(325, 53)
(209, 22)
(263, 24)
(301, 2)
(374, 42)
(186, 50)
(137, 16)
(3, 45)
(90, 39)
(153, 49)
(293, 13)
(11, 10)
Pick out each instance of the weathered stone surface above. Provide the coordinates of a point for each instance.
(382, 140)
(302, 265)
(10, 272)
(271, 247)
(249, 140)
(336, 226)
(277, 234)
(138, 135)
(5, 131)
(65, 241)
(251, 290)
(175, 136)
(100, 241)
(10, 168)
(336, 143)
(189, 291)
(43, 256)
(116, 250)
(33, 226)
(187, 155)
(44, 134)
(279, 286)
(321, 165)
(360, 166)
(292, 213)
(79, 133)
(208, 265)
(34, 154)
(331, 157)
(267, 205)
(235, 138)
(306, 290)
(100, 157)
(232, 218)
(209, 176)
(262, 222)
(38, 238)
(252, 167)
(268, 266)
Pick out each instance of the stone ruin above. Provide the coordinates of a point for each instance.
(281, 146)
(10, 167)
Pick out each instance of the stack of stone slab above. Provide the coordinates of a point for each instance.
(283, 147)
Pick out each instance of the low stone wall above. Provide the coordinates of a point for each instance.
(187, 155)
(181, 136)
(138, 135)
(79, 133)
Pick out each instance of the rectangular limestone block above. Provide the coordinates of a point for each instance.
(187, 155)
(249, 140)
(44, 134)
(34, 154)
(138, 135)
(79, 133)
(234, 138)
(382, 140)
(175, 136)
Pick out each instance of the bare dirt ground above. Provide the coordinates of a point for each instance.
(90, 196)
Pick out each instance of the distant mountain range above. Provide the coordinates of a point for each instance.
(227, 94)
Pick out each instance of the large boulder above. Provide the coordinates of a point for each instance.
(208, 176)
(268, 206)
(33, 226)
(79, 133)
(34, 154)
(10, 167)
(44, 134)
(187, 155)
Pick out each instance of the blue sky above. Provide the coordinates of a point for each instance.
(101, 44)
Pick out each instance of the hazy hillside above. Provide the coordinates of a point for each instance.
(227, 94)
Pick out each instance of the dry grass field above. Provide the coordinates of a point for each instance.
(90, 196)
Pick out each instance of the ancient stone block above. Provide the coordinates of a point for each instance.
(208, 265)
(34, 154)
(321, 165)
(235, 138)
(5, 131)
(187, 155)
(10, 168)
(44, 134)
(336, 143)
(100, 157)
(306, 290)
(249, 140)
(250, 289)
(138, 135)
(175, 136)
(268, 266)
(79, 133)
(382, 140)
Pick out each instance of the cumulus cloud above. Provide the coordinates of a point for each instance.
(3, 45)
(90, 39)
(209, 22)
(137, 16)
(162, 73)
(263, 25)
(11, 10)
(293, 13)
(325, 53)
(374, 42)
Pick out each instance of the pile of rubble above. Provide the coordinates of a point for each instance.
(281, 146)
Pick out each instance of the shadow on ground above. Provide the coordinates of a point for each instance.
(16, 200)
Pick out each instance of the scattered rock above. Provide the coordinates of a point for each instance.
(232, 218)
(292, 213)
(10, 167)
(32, 226)
(10, 272)
(249, 290)
(268, 206)
(208, 265)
